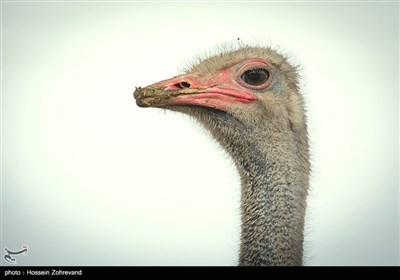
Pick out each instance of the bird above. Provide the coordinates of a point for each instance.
(248, 97)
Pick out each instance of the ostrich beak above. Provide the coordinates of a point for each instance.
(190, 90)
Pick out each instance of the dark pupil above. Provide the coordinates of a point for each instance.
(255, 77)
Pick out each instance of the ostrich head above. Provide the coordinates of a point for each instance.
(233, 93)
(249, 100)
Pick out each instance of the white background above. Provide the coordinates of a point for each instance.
(88, 178)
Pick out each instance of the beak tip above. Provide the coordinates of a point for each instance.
(137, 93)
(150, 96)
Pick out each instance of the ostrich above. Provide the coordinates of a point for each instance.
(248, 98)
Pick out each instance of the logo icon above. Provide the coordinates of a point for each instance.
(8, 257)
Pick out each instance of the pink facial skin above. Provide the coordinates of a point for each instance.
(222, 91)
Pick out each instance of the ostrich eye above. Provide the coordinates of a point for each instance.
(255, 77)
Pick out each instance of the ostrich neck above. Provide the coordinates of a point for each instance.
(274, 180)
(271, 155)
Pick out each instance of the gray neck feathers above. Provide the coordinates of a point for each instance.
(274, 178)
(272, 159)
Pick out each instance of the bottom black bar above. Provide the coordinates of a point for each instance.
(112, 271)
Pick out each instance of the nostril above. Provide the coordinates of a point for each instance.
(185, 85)
(182, 85)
